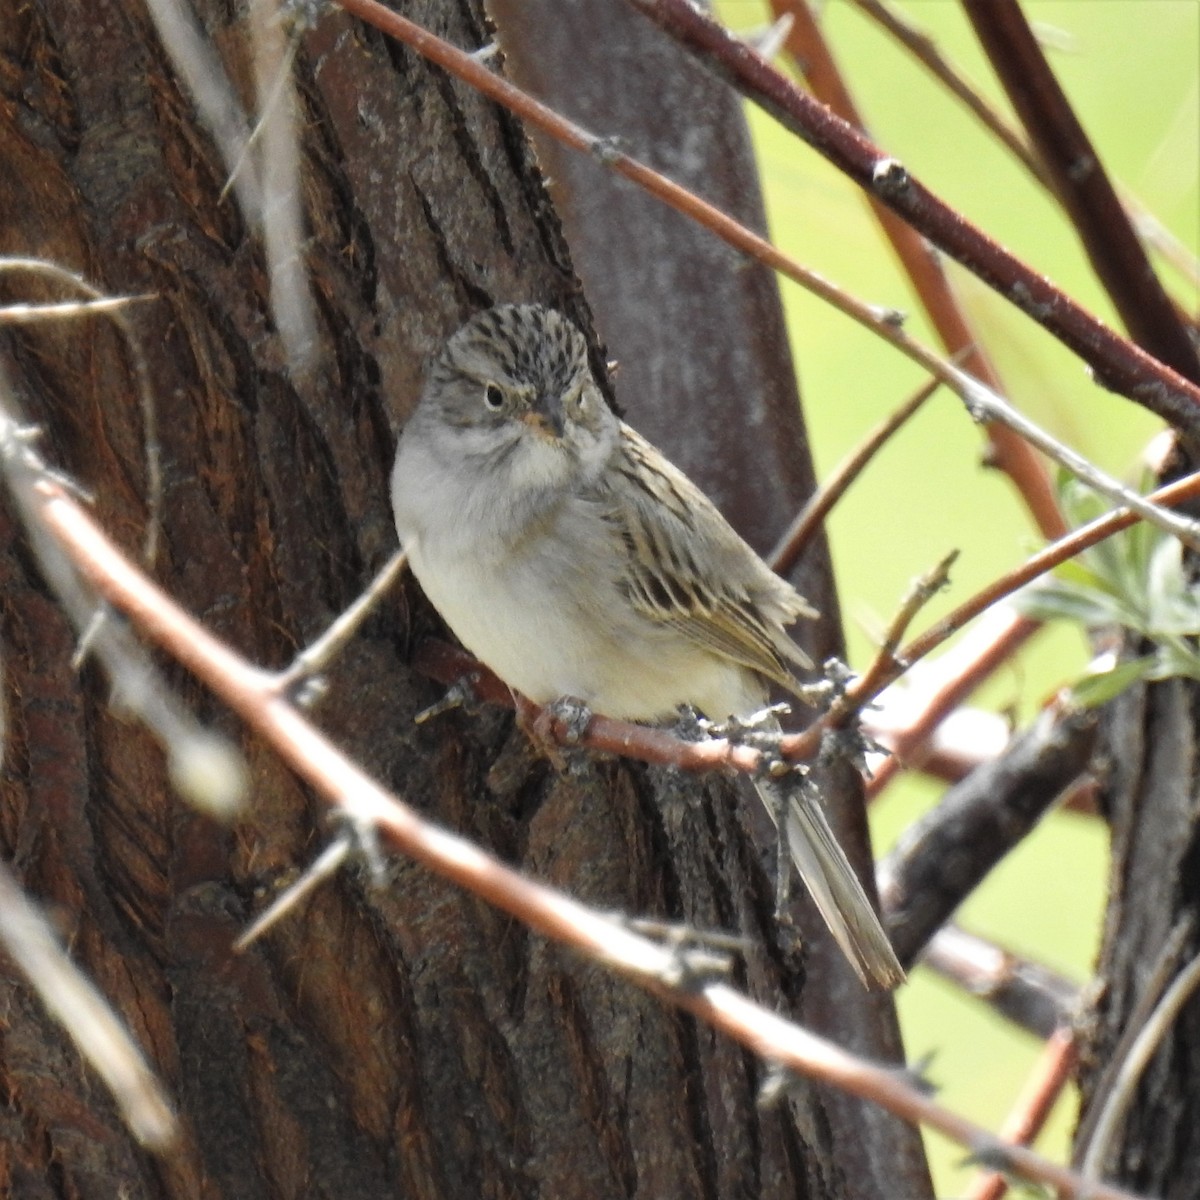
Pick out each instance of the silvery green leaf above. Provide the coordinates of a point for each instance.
(1058, 600)
(1097, 689)
(1076, 571)
(1079, 503)
(1174, 605)
(1174, 658)
(1141, 538)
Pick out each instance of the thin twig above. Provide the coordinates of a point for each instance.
(1118, 363)
(800, 532)
(1029, 1114)
(31, 314)
(97, 1032)
(267, 105)
(1165, 968)
(1026, 993)
(152, 449)
(920, 592)
(1144, 1047)
(1082, 184)
(926, 273)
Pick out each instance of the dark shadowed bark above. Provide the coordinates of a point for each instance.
(1150, 929)
(406, 1040)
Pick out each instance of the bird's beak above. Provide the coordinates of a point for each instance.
(546, 417)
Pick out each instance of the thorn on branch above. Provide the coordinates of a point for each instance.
(362, 833)
(894, 318)
(607, 150)
(890, 178)
(486, 52)
(776, 1083)
(693, 965)
(300, 680)
(768, 42)
(322, 868)
(460, 694)
(916, 1075)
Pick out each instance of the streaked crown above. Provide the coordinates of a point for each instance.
(525, 343)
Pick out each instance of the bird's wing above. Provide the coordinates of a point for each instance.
(685, 566)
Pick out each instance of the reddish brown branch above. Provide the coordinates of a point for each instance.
(1118, 364)
(1027, 993)
(806, 523)
(1082, 184)
(449, 665)
(941, 858)
(1045, 1085)
(1009, 637)
(925, 51)
(1008, 451)
(1003, 640)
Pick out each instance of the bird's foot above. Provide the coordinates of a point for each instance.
(851, 744)
(563, 723)
(759, 729)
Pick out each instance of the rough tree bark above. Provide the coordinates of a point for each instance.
(1149, 798)
(404, 1041)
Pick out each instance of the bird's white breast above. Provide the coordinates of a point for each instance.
(541, 605)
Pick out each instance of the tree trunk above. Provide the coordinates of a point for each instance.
(1149, 798)
(405, 1040)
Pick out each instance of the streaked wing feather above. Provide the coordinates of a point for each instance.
(663, 515)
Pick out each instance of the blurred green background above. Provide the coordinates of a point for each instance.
(1132, 70)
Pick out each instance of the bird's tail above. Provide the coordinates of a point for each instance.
(833, 885)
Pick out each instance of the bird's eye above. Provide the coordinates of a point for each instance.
(493, 397)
